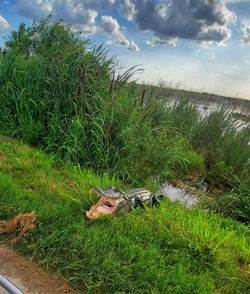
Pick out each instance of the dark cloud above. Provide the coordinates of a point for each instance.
(98, 4)
(33, 9)
(201, 20)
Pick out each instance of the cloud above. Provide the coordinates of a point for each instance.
(112, 28)
(98, 4)
(205, 21)
(133, 46)
(33, 9)
(245, 33)
(74, 12)
(127, 9)
(201, 20)
(161, 41)
(235, 1)
(3, 23)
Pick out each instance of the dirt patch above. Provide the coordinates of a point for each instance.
(28, 277)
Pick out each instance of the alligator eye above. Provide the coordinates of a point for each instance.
(108, 204)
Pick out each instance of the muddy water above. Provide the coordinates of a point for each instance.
(177, 194)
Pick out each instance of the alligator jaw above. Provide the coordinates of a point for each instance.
(105, 206)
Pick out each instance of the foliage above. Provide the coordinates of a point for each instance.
(67, 99)
(194, 164)
(219, 137)
(235, 203)
(169, 249)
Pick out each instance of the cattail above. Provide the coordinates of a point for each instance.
(111, 88)
(58, 56)
(81, 72)
(143, 96)
(116, 83)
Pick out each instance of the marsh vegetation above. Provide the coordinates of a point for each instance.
(60, 94)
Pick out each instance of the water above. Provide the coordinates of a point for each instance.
(205, 108)
(177, 194)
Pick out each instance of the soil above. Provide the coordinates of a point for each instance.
(28, 277)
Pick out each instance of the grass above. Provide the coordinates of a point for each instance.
(71, 100)
(169, 249)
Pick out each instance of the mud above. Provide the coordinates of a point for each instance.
(28, 277)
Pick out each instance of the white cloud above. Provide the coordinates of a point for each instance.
(133, 46)
(3, 23)
(127, 9)
(112, 28)
(73, 12)
(245, 34)
(158, 41)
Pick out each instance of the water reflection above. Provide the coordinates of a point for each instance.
(177, 194)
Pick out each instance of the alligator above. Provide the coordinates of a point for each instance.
(114, 201)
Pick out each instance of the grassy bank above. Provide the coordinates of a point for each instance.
(162, 250)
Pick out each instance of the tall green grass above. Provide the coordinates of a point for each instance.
(218, 136)
(72, 101)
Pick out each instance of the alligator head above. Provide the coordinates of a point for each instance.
(112, 202)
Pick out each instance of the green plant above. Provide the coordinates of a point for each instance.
(194, 164)
(236, 203)
(219, 174)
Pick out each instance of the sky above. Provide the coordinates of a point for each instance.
(199, 45)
